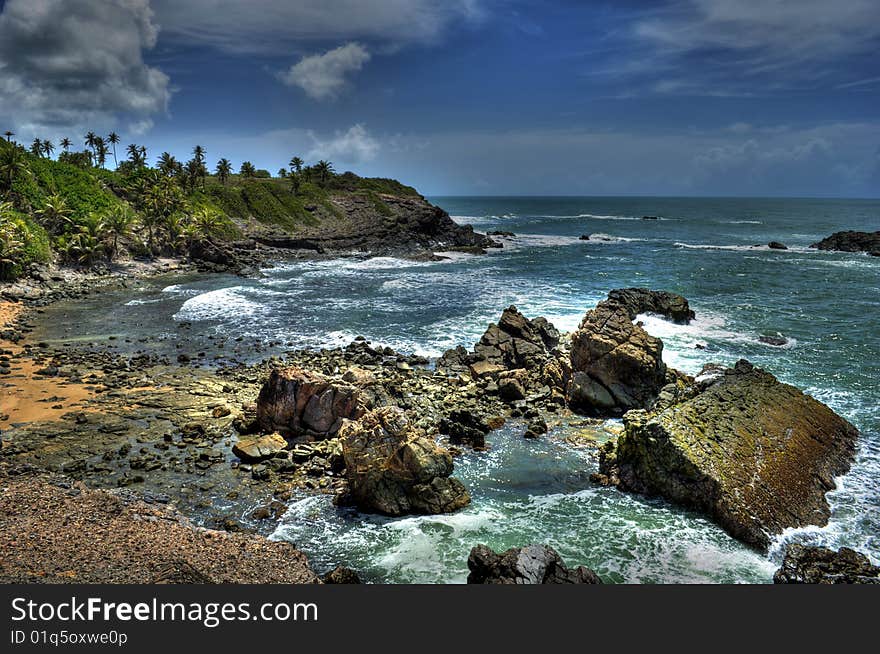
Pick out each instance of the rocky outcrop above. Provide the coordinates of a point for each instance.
(297, 402)
(753, 453)
(615, 364)
(776, 245)
(851, 242)
(514, 342)
(642, 300)
(821, 565)
(392, 468)
(532, 564)
(404, 225)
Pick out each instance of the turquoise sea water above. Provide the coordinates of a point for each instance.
(826, 304)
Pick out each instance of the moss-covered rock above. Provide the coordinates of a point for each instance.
(753, 453)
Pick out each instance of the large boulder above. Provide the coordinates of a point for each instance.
(820, 565)
(392, 468)
(297, 402)
(532, 564)
(753, 453)
(615, 364)
(259, 447)
(851, 242)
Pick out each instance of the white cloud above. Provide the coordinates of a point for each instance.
(323, 76)
(766, 34)
(275, 24)
(77, 64)
(353, 146)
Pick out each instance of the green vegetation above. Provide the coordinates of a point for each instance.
(78, 211)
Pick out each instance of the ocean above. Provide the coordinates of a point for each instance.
(711, 250)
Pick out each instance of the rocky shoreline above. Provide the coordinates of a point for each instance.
(231, 445)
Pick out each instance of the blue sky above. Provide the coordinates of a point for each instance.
(685, 97)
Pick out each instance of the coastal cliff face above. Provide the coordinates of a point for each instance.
(379, 224)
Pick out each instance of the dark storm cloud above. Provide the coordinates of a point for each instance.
(66, 63)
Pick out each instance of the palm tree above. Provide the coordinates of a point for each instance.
(65, 144)
(12, 164)
(143, 152)
(324, 169)
(54, 214)
(48, 148)
(101, 151)
(199, 154)
(166, 164)
(206, 221)
(118, 222)
(113, 139)
(247, 170)
(296, 164)
(224, 170)
(8, 135)
(134, 154)
(37, 148)
(90, 141)
(282, 172)
(10, 245)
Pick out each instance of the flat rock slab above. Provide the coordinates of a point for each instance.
(755, 454)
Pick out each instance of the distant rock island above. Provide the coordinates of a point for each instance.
(851, 241)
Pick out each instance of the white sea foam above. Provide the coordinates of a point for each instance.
(219, 305)
(743, 222)
(474, 220)
(135, 303)
(743, 248)
(609, 238)
(180, 289)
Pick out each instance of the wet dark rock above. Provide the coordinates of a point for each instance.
(850, 241)
(532, 564)
(821, 565)
(465, 426)
(642, 300)
(392, 468)
(753, 453)
(511, 390)
(776, 245)
(341, 575)
(776, 341)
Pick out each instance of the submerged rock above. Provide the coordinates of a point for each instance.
(532, 564)
(300, 402)
(851, 242)
(392, 468)
(820, 565)
(753, 453)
